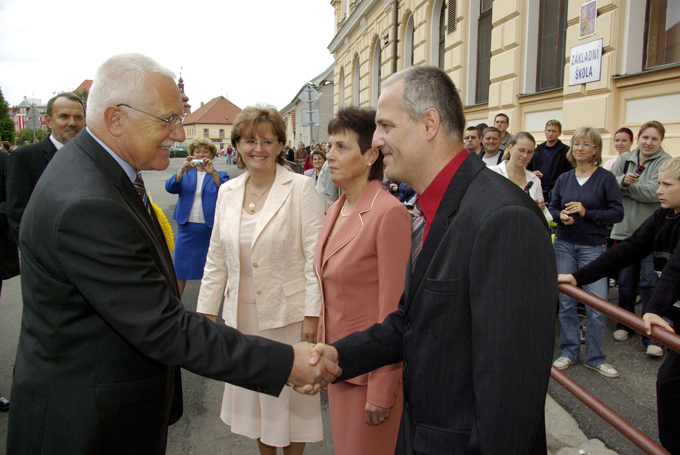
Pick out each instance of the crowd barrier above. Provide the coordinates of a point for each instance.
(668, 339)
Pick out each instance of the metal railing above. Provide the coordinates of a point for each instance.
(670, 340)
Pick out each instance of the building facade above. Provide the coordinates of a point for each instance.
(514, 57)
(213, 120)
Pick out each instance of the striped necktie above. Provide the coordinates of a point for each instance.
(141, 190)
(417, 228)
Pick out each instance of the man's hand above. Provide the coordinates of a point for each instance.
(654, 319)
(375, 415)
(309, 377)
(566, 278)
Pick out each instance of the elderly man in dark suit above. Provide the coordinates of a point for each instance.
(66, 117)
(103, 332)
(475, 325)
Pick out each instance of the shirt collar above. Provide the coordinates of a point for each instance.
(432, 196)
(56, 143)
(129, 171)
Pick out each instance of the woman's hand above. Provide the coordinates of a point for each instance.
(310, 325)
(375, 415)
(629, 179)
(541, 203)
(654, 319)
(208, 166)
(575, 207)
(567, 279)
(565, 218)
(186, 165)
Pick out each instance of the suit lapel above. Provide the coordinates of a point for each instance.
(354, 222)
(121, 181)
(448, 207)
(281, 188)
(233, 210)
(49, 150)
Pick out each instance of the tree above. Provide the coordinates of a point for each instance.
(27, 135)
(6, 122)
(83, 96)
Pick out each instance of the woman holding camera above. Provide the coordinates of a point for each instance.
(197, 183)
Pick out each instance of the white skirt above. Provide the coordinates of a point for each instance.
(275, 421)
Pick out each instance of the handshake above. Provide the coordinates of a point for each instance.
(315, 366)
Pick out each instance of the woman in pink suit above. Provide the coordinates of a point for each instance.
(360, 262)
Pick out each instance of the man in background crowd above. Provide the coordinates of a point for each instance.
(473, 140)
(550, 158)
(502, 122)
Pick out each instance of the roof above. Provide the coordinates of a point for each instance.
(85, 85)
(218, 110)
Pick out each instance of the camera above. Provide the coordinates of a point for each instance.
(197, 163)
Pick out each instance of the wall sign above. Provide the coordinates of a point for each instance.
(585, 63)
(588, 20)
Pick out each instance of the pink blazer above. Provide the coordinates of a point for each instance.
(361, 272)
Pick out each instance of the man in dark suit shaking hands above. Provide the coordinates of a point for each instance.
(65, 116)
(103, 332)
(475, 324)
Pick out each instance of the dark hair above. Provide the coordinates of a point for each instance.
(491, 129)
(6, 146)
(360, 121)
(482, 126)
(627, 131)
(507, 119)
(470, 128)
(428, 87)
(250, 120)
(317, 152)
(69, 96)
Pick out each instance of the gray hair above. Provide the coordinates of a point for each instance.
(428, 87)
(121, 79)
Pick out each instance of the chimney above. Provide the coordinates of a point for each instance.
(201, 103)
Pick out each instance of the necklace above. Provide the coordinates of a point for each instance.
(342, 209)
(253, 201)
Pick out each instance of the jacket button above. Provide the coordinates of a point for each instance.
(407, 326)
(395, 394)
(258, 292)
(254, 264)
(405, 366)
(400, 381)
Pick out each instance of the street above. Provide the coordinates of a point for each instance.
(200, 431)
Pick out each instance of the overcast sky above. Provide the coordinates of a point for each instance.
(248, 51)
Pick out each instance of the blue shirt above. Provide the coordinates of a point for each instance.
(601, 198)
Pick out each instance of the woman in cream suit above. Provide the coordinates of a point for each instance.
(361, 262)
(267, 223)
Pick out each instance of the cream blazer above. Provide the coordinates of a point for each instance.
(282, 253)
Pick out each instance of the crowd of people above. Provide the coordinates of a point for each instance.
(408, 254)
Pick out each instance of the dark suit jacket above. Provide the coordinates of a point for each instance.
(26, 165)
(103, 331)
(559, 166)
(186, 188)
(475, 325)
(9, 254)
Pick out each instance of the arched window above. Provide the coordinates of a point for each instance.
(357, 83)
(409, 45)
(376, 73)
(437, 33)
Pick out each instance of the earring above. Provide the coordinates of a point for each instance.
(369, 164)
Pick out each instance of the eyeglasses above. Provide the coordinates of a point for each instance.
(172, 122)
(585, 144)
(252, 143)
